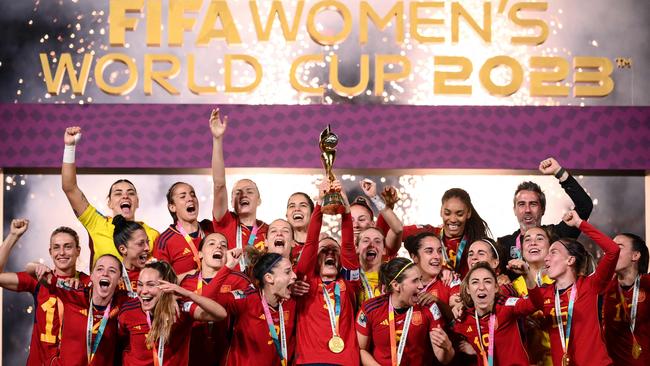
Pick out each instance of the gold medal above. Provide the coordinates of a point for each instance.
(636, 350)
(336, 344)
(565, 359)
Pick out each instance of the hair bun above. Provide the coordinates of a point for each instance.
(119, 221)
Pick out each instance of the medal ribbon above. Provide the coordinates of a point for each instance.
(199, 284)
(366, 285)
(396, 352)
(251, 241)
(635, 300)
(280, 344)
(190, 242)
(558, 316)
(335, 313)
(518, 246)
(100, 332)
(158, 352)
(459, 253)
(127, 282)
(488, 360)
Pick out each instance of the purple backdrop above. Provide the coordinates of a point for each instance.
(371, 136)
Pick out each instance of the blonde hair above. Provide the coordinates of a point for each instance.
(165, 310)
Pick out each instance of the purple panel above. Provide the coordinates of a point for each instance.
(371, 136)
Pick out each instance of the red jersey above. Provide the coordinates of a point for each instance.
(372, 322)
(616, 319)
(48, 310)
(228, 225)
(251, 343)
(508, 345)
(72, 350)
(134, 328)
(441, 291)
(172, 247)
(296, 252)
(452, 246)
(586, 346)
(210, 340)
(314, 329)
(133, 278)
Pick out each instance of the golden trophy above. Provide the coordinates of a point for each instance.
(332, 201)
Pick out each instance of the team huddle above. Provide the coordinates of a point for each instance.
(235, 290)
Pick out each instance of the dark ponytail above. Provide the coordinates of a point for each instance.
(124, 230)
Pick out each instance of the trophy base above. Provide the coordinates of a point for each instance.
(333, 204)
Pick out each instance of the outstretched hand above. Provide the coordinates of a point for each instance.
(217, 125)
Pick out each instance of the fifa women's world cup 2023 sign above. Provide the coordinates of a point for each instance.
(154, 42)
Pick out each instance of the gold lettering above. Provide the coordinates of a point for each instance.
(440, 78)
(161, 76)
(339, 8)
(366, 11)
(251, 61)
(106, 61)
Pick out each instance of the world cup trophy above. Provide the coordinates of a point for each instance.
(332, 201)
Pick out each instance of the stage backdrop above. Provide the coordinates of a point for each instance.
(409, 86)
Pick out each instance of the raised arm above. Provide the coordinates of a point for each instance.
(607, 265)
(581, 200)
(207, 310)
(309, 257)
(75, 196)
(349, 256)
(385, 205)
(16, 230)
(218, 129)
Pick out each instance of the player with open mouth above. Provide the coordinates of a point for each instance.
(153, 331)
(489, 321)
(210, 341)
(122, 200)
(570, 305)
(178, 243)
(332, 272)
(132, 242)
(393, 329)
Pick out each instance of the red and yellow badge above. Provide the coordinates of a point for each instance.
(417, 318)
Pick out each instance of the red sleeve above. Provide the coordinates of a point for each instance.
(607, 265)
(309, 257)
(536, 297)
(349, 257)
(525, 305)
(223, 222)
(26, 283)
(382, 225)
(363, 324)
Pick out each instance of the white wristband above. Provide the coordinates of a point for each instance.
(379, 203)
(68, 154)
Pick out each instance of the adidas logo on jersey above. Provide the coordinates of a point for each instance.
(469, 329)
(186, 251)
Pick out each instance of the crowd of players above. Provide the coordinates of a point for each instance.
(235, 290)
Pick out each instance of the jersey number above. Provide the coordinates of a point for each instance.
(48, 308)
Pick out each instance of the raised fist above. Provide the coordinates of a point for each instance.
(549, 166)
(72, 135)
